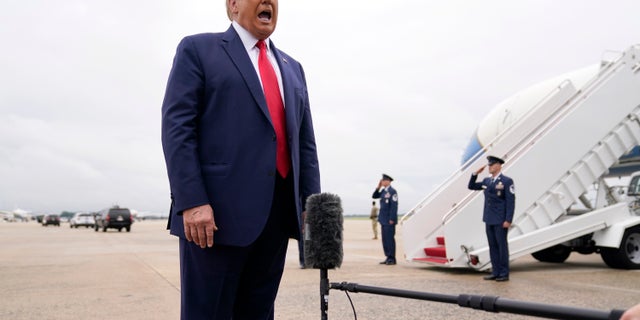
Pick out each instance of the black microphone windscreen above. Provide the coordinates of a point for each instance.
(323, 231)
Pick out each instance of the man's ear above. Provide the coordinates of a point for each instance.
(231, 7)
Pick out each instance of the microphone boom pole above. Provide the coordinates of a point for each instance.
(489, 303)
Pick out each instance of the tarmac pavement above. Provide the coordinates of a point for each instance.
(62, 273)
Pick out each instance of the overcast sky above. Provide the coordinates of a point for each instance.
(396, 86)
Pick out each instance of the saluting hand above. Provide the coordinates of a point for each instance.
(199, 225)
(480, 170)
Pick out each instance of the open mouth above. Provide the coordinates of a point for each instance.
(264, 16)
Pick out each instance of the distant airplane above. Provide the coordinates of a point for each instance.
(15, 215)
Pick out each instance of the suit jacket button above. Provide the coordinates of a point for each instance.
(271, 174)
(273, 138)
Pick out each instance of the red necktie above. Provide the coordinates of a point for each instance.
(276, 109)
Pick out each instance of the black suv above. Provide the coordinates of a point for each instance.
(51, 219)
(114, 218)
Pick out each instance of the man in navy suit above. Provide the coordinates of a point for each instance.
(388, 217)
(241, 162)
(499, 203)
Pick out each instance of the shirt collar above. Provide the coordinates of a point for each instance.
(248, 40)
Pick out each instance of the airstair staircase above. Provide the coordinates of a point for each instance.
(563, 145)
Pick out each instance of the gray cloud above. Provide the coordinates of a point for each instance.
(396, 87)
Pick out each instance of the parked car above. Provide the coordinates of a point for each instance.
(82, 219)
(114, 218)
(51, 219)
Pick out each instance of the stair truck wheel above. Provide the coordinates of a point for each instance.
(555, 254)
(628, 255)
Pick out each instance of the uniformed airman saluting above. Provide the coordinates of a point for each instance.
(499, 204)
(388, 217)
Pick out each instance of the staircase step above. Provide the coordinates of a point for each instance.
(436, 252)
(432, 260)
(440, 240)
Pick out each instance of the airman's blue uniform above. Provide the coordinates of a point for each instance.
(499, 204)
(388, 218)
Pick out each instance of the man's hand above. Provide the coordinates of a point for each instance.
(632, 313)
(480, 170)
(199, 225)
(379, 184)
(506, 224)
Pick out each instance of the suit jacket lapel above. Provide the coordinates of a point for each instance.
(232, 44)
(289, 92)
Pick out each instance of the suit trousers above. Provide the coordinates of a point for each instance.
(229, 282)
(498, 249)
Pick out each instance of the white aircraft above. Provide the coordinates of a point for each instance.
(16, 215)
(560, 138)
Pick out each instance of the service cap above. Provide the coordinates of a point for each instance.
(386, 177)
(493, 159)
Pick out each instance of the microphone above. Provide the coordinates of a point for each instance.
(323, 240)
(323, 232)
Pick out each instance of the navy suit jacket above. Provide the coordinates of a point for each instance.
(388, 205)
(499, 198)
(218, 140)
